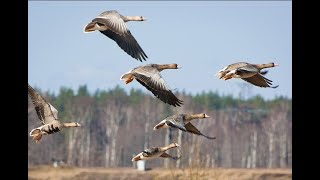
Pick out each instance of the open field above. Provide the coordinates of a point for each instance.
(75, 173)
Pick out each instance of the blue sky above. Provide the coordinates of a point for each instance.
(202, 37)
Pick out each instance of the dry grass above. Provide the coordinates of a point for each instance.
(75, 173)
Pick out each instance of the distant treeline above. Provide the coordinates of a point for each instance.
(117, 125)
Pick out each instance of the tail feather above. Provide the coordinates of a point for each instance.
(126, 76)
(158, 126)
(35, 132)
(137, 157)
(90, 27)
(36, 135)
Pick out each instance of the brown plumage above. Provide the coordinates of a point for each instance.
(113, 25)
(149, 76)
(154, 152)
(48, 116)
(182, 122)
(248, 72)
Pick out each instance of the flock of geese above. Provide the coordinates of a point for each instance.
(113, 25)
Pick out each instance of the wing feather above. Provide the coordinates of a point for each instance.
(127, 43)
(45, 111)
(259, 80)
(192, 129)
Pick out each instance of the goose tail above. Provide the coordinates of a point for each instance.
(137, 157)
(36, 135)
(90, 27)
(127, 77)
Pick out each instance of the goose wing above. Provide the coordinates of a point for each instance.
(176, 125)
(165, 155)
(45, 111)
(151, 79)
(167, 97)
(113, 21)
(259, 80)
(236, 65)
(247, 69)
(192, 129)
(127, 43)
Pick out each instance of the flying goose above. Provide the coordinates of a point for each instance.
(248, 72)
(182, 122)
(48, 116)
(113, 25)
(149, 76)
(154, 152)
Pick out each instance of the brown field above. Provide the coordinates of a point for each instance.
(75, 173)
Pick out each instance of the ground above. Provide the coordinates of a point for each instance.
(75, 173)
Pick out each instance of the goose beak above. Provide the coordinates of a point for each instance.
(206, 116)
(179, 67)
(276, 64)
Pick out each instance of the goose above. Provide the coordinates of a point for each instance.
(154, 152)
(182, 122)
(250, 73)
(48, 116)
(149, 76)
(113, 25)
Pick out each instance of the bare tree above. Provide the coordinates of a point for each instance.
(115, 126)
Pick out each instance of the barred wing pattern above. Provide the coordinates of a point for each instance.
(45, 111)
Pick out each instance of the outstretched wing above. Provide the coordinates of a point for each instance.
(113, 21)
(259, 80)
(176, 125)
(45, 111)
(165, 96)
(127, 43)
(165, 155)
(151, 79)
(191, 129)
